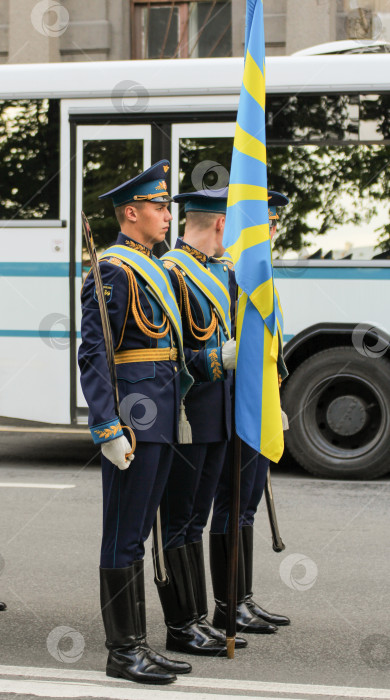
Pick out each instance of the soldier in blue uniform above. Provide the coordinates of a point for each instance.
(202, 287)
(254, 467)
(152, 379)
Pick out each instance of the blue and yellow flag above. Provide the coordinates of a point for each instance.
(247, 239)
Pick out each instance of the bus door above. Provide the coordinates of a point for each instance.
(201, 155)
(106, 155)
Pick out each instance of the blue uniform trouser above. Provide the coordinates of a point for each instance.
(130, 501)
(189, 492)
(254, 469)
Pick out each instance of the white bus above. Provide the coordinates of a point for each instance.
(72, 131)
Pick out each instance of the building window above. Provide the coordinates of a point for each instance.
(181, 29)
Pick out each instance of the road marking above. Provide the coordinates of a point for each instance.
(65, 431)
(50, 689)
(54, 682)
(24, 485)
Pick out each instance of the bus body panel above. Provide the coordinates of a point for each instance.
(34, 387)
(193, 76)
(307, 302)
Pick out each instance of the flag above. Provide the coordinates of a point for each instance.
(247, 239)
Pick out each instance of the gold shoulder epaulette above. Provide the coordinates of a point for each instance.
(228, 262)
(115, 261)
(224, 261)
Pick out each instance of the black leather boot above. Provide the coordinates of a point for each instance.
(168, 664)
(178, 603)
(3, 606)
(128, 652)
(245, 621)
(247, 544)
(198, 576)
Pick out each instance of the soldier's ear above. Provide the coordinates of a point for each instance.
(131, 213)
(220, 223)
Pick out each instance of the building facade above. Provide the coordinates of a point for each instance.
(36, 31)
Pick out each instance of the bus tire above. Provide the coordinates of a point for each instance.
(338, 405)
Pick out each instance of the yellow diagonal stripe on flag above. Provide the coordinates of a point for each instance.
(272, 442)
(239, 193)
(249, 145)
(250, 236)
(253, 80)
(263, 298)
(275, 347)
(241, 306)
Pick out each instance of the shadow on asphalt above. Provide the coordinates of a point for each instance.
(77, 450)
(51, 449)
(48, 450)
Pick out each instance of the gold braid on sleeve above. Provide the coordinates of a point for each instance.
(146, 327)
(205, 333)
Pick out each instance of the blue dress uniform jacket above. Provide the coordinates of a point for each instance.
(143, 386)
(208, 402)
(149, 395)
(196, 468)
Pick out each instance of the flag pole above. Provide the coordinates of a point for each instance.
(235, 467)
(234, 515)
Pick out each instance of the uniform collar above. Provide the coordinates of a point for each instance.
(201, 257)
(135, 245)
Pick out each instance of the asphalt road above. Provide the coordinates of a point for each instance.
(332, 580)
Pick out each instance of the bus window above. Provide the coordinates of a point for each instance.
(29, 159)
(374, 123)
(104, 160)
(338, 200)
(214, 153)
(312, 118)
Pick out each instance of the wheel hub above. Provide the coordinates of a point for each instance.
(346, 415)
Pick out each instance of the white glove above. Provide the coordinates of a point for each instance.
(229, 354)
(115, 451)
